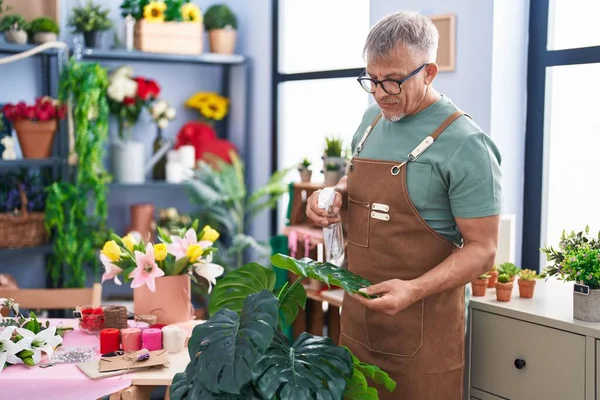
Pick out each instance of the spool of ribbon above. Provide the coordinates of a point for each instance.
(110, 340)
(152, 339)
(131, 339)
(115, 317)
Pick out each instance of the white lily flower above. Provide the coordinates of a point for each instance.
(170, 113)
(159, 107)
(209, 271)
(45, 341)
(8, 349)
(163, 123)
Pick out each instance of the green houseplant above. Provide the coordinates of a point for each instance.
(303, 169)
(241, 352)
(219, 193)
(509, 269)
(43, 29)
(76, 209)
(221, 24)
(480, 284)
(90, 20)
(527, 279)
(577, 259)
(15, 28)
(504, 287)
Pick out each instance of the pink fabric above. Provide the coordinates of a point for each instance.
(64, 381)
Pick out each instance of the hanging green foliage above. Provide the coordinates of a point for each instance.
(76, 208)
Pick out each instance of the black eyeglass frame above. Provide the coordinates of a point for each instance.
(380, 82)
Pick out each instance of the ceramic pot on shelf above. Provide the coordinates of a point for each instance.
(142, 221)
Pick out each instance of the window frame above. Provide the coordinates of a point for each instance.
(278, 78)
(539, 59)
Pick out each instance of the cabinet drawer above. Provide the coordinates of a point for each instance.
(498, 342)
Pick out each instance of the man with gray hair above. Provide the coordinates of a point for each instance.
(424, 199)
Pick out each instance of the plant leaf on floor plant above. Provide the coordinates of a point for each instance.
(232, 290)
(291, 299)
(327, 273)
(231, 344)
(312, 368)
(358, 387)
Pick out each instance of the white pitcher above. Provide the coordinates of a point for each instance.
(127, 160)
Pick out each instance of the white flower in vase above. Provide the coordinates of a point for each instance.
(163, 123)
(170, 113)
(158, 108)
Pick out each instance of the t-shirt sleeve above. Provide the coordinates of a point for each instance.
(474, 178)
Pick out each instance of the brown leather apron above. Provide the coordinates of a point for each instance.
(421, 347)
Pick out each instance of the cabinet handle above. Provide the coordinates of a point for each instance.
(519, 364)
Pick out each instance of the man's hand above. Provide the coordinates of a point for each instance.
(395, 295)
(320, 216)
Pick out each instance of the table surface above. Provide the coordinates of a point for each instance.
(66, 381)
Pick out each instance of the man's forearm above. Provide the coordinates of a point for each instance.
(471, 261)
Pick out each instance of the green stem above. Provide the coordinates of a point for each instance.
(290, 290)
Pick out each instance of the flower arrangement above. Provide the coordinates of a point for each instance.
(162, 113)
(44, 109)
(23, 340)
(162, 11)
(576, 260)
(188, 252)
(128, 95)
(210, 106)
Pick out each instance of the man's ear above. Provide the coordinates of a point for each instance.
(431, 71)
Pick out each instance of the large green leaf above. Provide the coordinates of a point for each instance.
(324, 272)
(232, 290)
(374, 373)
(291, 299)
(312, 368)
(230, 344)
(358, 387)
(185, 387)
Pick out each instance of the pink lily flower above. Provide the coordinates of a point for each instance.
(146, 269)
(179, 245)
(110, 270)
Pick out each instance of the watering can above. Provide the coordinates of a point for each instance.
(128, 160)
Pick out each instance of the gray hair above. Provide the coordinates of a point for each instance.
(407, 28)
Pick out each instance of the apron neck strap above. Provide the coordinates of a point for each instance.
(453, 117)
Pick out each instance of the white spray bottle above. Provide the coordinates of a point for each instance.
(332, 235)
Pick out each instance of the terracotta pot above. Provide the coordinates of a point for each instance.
(512, 278)
(170, 303)
(142, 220)
(36, 138)
(504, 291)
(479, 287)
(222, 40)
(526, 288)
(493, 279)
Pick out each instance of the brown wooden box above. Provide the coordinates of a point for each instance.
(169, 37)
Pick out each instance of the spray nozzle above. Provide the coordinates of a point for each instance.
(326, 198)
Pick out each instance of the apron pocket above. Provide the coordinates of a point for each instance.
(358, 222)
(396, 335)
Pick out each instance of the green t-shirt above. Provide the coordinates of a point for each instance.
(458, 176)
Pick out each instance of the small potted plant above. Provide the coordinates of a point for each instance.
(43, 30)
(493, 273)
(35, 124)
(526, 282)
(479, 285)
(221, 24)
(90, 20)
(509, 269)
(504, 288)
(15, 28)
(305, 173)
(332, 174)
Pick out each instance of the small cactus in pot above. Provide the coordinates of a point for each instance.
(504, 288)
(305, 172)
(527, 279)
(479, 285)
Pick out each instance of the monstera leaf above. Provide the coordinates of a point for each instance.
(324, 272)
(183, 389)
(312, 368)
(358, 387)
(231, 290)
(237, 285)
(231, 344)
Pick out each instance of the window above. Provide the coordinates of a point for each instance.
(562, 133)
(317, 58)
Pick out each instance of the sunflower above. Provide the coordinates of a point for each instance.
(214, 109)
(196, 100)
(155, 11)
(191, 12)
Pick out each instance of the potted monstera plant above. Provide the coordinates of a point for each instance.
(242, 353)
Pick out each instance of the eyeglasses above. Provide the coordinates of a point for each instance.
(390, 86)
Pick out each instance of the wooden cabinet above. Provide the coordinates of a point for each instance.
(531, 348)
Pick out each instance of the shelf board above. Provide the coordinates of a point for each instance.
(31, 162)
(147, 185)
(11, 48)
(134, 55)
(37, 250)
